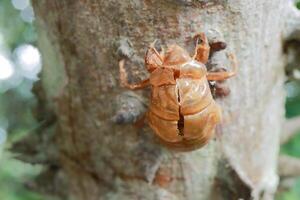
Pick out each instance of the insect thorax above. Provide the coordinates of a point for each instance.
(192, 69)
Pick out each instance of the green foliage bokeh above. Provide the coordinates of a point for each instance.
(292, 148)
(16, 109)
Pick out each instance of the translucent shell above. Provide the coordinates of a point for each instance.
(182, 112)
(186, 97)
(198, 129)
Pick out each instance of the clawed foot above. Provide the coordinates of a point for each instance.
(219, 89)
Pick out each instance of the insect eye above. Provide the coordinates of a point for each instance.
(158, 47)
(199, 41)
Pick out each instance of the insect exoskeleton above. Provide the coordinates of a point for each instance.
(182, 111)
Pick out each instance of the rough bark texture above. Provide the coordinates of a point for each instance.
(81, 43)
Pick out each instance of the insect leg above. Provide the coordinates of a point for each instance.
(220, 76)
(202, 48)
(124, 79)
(219, 89)
(152, 47)
(153, 58)
(217, 46)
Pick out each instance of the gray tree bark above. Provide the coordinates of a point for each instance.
(89, 156)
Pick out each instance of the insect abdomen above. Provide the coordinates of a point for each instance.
(195, 104)
(194, 95)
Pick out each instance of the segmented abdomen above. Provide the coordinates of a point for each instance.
(190, 98)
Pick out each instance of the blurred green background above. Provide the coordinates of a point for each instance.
(20, 63)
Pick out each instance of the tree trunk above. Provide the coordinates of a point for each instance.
(93, 157)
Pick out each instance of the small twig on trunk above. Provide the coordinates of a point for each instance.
(288, 166)
(290, 128)
(292, 24)
(286, 184)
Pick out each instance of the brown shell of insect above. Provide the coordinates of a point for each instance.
(182, 112)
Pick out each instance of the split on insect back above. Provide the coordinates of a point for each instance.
(182, 111)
